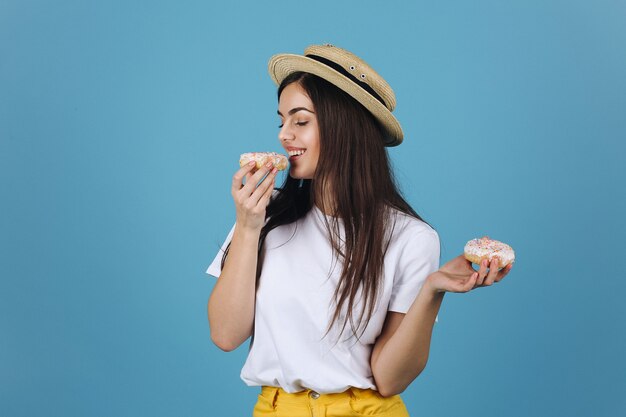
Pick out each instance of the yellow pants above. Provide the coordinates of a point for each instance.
(354, 402)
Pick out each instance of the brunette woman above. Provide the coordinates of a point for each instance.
(333, 275)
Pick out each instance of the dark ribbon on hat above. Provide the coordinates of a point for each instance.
(342, 70)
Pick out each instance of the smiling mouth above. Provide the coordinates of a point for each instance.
(295, 153)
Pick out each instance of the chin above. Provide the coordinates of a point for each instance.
(300, 175)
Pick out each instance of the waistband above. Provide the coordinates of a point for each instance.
(274, 394)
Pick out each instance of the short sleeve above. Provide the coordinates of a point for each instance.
(418, 258)
(215, 268)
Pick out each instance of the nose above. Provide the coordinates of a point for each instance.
(285, 133)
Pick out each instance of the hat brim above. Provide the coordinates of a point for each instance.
(282, 65)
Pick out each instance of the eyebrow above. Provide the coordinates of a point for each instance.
(294, 110)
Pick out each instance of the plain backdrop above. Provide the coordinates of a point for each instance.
(121, 123)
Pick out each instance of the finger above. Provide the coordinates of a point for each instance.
(240, 174)
(265, 199)
(482, 272)
(252, 171)
(471, 283)
(266, 184)
(493, 272)
(254, 180)
(504, 271)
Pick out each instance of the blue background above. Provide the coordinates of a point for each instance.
(120, 128)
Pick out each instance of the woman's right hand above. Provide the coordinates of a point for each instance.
(251, 200)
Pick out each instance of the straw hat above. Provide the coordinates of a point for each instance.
(351, 74)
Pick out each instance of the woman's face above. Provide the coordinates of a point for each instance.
(299, 131)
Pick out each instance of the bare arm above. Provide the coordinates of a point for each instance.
(401, 351)
(231, 304)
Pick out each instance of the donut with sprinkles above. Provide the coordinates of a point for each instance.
(262, 158)
(485, 248)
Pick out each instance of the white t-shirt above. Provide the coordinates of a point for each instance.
(294, 304)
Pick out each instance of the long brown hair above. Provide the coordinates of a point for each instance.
(354, 168)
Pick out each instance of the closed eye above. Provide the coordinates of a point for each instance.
(280, 126)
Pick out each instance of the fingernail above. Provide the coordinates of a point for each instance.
(269, 165)
(252, 163)
(484, 262)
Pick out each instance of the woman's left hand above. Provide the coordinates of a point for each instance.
(458, 275)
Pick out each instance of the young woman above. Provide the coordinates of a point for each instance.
(333, 275)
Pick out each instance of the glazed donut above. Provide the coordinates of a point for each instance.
(261, 158)
(484, 248)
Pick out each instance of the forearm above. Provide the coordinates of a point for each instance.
(405, 354)
(232, 301)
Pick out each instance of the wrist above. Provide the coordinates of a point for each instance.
(431, 284)
(246, 232)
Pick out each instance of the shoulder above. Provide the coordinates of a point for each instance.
(405, 229)
(403, 223)
(414, 248)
